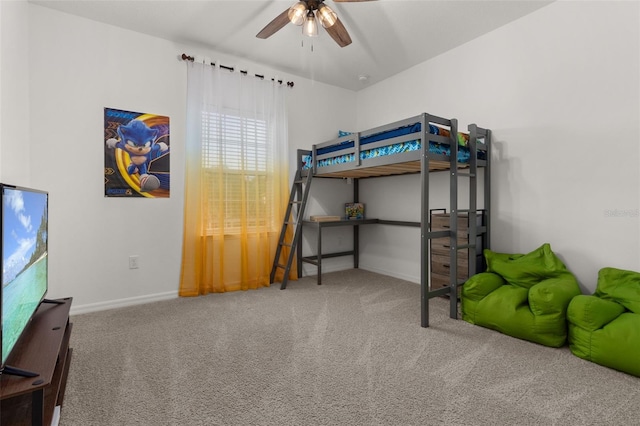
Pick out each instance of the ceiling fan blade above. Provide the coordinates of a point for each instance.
(272, 27)
(339, 33)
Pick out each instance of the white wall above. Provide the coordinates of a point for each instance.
(68, 69)
(560, 90)
(317, 111)
(14, 88)
(1, 84)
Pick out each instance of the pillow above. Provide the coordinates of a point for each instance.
(525, 270)
(494, 257)
(620, 286)
(463, 138)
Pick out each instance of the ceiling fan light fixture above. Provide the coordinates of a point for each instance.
(310, 27)
(304, 13)
(297, 13)
(326, 16)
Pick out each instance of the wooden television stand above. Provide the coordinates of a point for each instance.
(43, 349)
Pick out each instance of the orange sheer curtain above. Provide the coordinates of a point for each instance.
(236, 180)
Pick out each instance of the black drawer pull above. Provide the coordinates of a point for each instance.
(446, 265)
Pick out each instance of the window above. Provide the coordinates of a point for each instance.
(236, 162)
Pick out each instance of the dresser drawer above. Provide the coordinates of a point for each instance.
(443, 246)
(439, 281)
(441, 250)
(442, 221)
(441, 265)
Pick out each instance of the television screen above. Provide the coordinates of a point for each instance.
(24, 260)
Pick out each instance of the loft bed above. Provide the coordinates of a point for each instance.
(421, 144)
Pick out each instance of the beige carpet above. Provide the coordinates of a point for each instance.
(349, 352)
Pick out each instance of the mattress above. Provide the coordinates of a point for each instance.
(396, 148)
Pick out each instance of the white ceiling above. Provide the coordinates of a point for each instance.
(389, 36)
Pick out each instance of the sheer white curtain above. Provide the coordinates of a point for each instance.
(236, 182)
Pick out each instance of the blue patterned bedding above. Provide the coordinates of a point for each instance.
(414, 145)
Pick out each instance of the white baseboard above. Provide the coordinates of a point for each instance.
(311, 271)
(401, 276)
(149, 298)
(120, 303)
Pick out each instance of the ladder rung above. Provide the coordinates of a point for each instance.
(296, 202)
(458, 285)
(467, 174)
(465, 246)
(286, 244)
(280, 265)
(460, 247)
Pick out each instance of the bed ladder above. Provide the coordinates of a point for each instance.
(455, 175)
(474, 230)
(293, 217)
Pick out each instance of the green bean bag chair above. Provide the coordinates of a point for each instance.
(605, 327)
(521, 295)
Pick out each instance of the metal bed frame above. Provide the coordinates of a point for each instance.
(418, 161)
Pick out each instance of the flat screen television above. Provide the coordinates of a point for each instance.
(24, 245)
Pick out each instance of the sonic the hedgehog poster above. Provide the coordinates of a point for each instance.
(136, 154)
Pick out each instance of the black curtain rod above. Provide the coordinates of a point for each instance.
(186, 57)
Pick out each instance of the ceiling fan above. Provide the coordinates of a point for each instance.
(305, 13)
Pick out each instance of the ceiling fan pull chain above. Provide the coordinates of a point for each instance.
(301, 43)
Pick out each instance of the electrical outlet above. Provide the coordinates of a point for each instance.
(134, 262)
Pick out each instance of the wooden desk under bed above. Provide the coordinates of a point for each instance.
(319, 225)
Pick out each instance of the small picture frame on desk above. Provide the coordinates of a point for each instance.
(354, 211)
